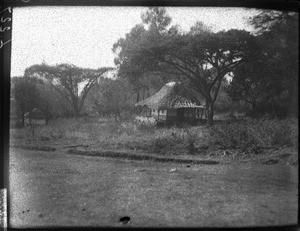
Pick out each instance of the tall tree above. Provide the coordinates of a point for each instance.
(128, 68)
(157, 20)
(202, 56)
(279, 32)
(69, 77)
(206, 57)
(140, 72)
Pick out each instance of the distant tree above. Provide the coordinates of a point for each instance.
(202, 56)
(111, 97)
(249, 84)
(68, 77)
(25, 92)
(53, 104)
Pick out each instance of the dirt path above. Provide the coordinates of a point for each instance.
(55, 189)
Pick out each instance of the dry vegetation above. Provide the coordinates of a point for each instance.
(240, 138)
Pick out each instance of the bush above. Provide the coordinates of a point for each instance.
(231, 136)
(252, 134)
(248, 135)
(175, 141)
(278, 132)
(171, 145)
(148, 125)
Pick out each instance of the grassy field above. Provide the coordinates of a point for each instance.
(55, 189)
(238, 139)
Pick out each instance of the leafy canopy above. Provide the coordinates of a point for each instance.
(68, 77)
(200, 55)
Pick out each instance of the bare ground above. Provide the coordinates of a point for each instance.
(57, 189)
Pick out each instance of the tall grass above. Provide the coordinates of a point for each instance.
(254, 133)
(135, 135)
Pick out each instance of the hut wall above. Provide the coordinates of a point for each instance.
(171, 114)
(154, 112)
(159, 114)
(190, 113)
(145, 112)
(199, 113)
(162, 115)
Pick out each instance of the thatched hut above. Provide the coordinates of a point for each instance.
(172, 103)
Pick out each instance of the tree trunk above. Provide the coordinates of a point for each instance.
(148, 92)
(76, 111)
(273, 108)
(293, 98)
(253, 107)
(209, 112)
(75, 107)
(23, 119)
(210, 118)
(138, 96)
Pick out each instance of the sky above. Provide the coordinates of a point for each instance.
(84, 36)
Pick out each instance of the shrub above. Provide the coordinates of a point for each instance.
(252, 134)
(173, 144)
(147, 128)
(128, 128)
(148, 125)
(231, 136)
(175, 141)
(277, 132)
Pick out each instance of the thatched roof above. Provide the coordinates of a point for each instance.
(172, 95)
